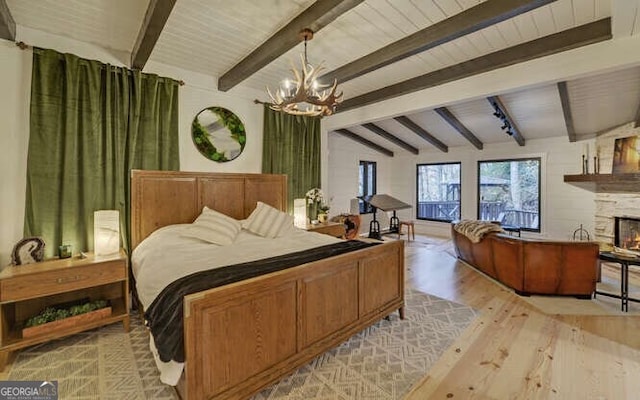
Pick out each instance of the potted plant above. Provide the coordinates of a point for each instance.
(315, 198)
(323, 211)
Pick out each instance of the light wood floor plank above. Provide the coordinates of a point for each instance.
(515, 351)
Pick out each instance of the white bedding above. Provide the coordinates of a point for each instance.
(166, 256)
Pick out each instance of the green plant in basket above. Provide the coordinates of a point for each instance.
(51, 314)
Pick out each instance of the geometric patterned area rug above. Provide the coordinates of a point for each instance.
(104, 363)
(381, 362)
(385, 360)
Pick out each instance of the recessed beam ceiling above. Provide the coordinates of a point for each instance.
(7, 24)
(566, 110)
(497, 103)
(316, 17)
(576, 37)
(471, 20)
(154, 20)
(415, 128)
(393, 139)
(458, 126)
(347, 133)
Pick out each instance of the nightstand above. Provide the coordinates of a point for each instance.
(25, 290)
(328, 228)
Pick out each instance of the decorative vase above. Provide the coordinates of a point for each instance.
(312, 210)
(322, 217)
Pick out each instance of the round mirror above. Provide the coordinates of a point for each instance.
(218, 134)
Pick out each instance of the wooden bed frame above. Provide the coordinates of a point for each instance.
(242, 337)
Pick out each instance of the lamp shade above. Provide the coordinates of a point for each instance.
(300, 212)
(106, 232)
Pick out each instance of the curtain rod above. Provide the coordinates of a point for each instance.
(24, 46)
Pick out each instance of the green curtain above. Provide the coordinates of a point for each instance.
(91, 123)
(291, 146)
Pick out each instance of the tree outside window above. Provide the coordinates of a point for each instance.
(509, 192)
(438, 191)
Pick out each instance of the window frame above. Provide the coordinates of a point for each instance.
(363, 206)
(478, 194)
(459, 163)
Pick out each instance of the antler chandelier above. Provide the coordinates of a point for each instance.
(304, 95)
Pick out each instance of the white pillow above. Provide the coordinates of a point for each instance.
(267, 221)
(213, 227)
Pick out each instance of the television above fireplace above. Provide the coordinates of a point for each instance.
(627, 233)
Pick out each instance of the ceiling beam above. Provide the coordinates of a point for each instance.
(154, 21)
(458, 126)
(572, 38)
(415, 128)
(471, 20)
(513, 130)
(390, 137)
(566, 110)
(347, 133)
(316, 17)
(7, 23)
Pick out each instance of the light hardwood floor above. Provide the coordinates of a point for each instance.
(514, 351)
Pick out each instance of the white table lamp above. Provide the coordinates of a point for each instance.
(300, 212)
(106, 232)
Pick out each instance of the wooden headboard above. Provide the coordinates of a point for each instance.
(160, 198)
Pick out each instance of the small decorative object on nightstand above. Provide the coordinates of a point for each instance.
(64, 251)
(28, 289)
(28, 250)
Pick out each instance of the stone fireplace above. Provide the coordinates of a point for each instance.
(610, 205)
(627, 233)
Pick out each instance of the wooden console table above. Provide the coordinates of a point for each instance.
(624, 262)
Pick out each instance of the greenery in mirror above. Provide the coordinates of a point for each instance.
(51, 314)
(218, 134)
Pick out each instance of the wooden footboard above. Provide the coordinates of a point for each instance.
(242, 337)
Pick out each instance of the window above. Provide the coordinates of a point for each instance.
(509, 192)
(366, 185)
(438, 192)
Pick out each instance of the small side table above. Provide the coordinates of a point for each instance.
(624, 262)
(511, 229)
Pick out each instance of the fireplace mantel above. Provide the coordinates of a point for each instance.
(606, 183)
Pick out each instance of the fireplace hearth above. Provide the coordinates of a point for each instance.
(627, 233)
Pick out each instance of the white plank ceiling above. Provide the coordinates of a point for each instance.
(211, 36)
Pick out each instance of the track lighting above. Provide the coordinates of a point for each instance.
(506, 125)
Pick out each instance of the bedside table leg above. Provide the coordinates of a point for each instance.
(401, 312)
(125, 324)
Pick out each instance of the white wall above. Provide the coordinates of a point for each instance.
(564, 207)
(15, 76)
(15, 81)
(344, 156)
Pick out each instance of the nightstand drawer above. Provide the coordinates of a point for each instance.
(61, 280)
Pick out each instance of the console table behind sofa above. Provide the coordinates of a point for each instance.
(532, 266)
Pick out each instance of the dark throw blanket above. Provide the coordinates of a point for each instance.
(164, 315)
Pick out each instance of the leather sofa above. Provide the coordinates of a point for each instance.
(531, 266)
